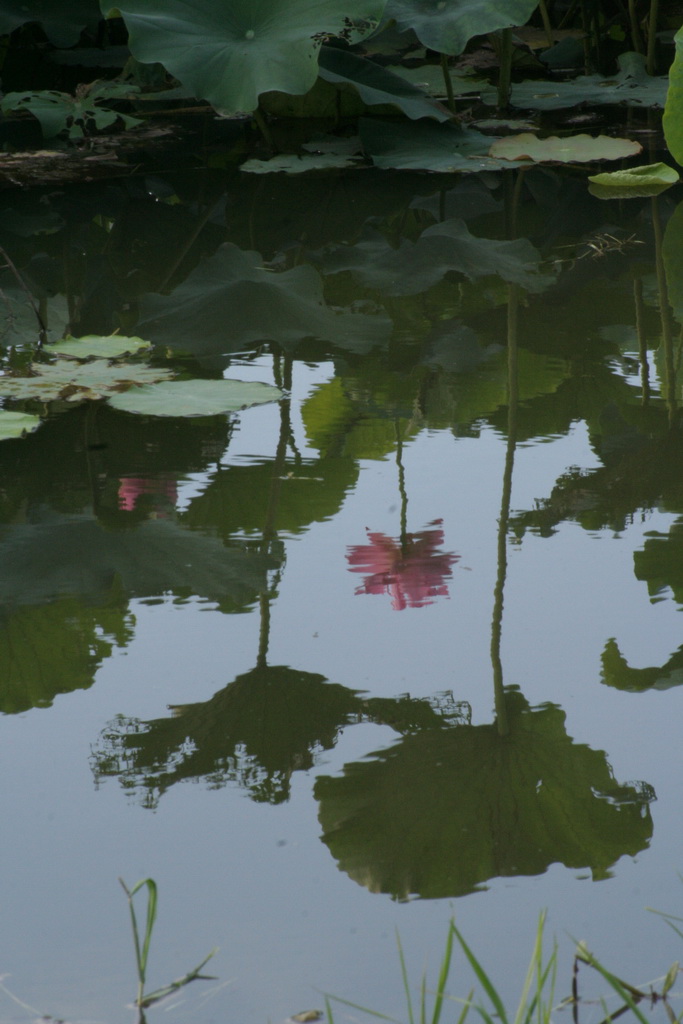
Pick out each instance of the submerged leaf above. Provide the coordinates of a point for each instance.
(571, 149)
(195, 397)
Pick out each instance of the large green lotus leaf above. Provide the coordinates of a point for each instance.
(231, 52)
(98, 346)
(617, 672)
(74, 555)
(17, 424)
(447, 25)
(62, 23)
(55, 648)
(258, 730)
(415, 266)
(377, 85)
(672, 120)
(424, 146)
(442, 812)
(672, 252)
(570, 149)
(195, 397)
(76, 382)
(633, 182)
(232, 301)
(632, 86)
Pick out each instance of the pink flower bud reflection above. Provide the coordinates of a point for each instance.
(412, 572)
(156, 495)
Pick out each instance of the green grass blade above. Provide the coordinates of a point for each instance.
(484, 980)
(534, 969)
(669, 918)
(151, 918)
(404, 975)
(328, 1011)
(466, 1008)
(194, 975)
(136, 937)
(621, 988)
(363, 1009)
(443, 977)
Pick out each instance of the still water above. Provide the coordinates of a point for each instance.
(401, 647)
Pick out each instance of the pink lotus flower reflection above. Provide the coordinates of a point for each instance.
(413, 573)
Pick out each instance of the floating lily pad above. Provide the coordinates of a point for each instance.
(98, 346)
(572, 149)
(425, 146)
(195, 397)
(16, 424)
(429, 78)
(632, 86)
(498, 125)
(292, 164)
(633, 182)
(76, 382)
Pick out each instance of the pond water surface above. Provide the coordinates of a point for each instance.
(402, 647)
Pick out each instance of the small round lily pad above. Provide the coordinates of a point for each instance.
(99, 346)
(17, 424)
(195, 397)
(571, 149)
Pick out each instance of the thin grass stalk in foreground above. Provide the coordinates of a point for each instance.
(142, 954)
(539, 1003)
(440, 993)
(629, 995)
(142, 951)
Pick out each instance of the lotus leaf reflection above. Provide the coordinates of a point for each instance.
(440, 813)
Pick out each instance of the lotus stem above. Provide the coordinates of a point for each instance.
(652, 37)
(505, 74)
(545, 18)
(636, 34)
(448, 83)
